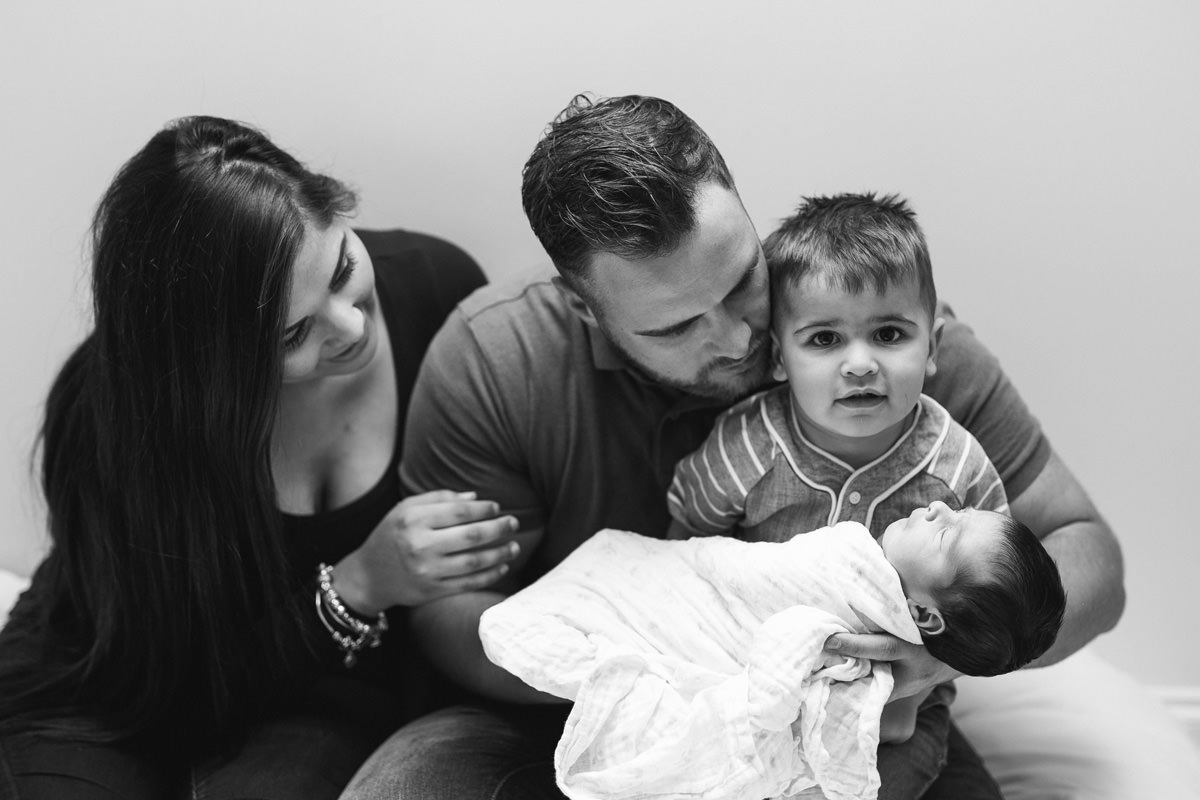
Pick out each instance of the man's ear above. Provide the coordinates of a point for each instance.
(935, 339)
(574, 302)
(777, 371)
(928, 619)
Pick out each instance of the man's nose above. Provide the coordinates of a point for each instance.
(733, 336)
(741, 320)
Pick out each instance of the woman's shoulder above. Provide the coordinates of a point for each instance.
(420, 277)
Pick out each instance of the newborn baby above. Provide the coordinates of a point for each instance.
(697, 667)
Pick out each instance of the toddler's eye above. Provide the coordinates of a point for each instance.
(889, 335)
(823, 339)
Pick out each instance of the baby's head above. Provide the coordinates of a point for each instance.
(853, 316)
(981, 587)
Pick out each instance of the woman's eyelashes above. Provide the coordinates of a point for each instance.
(296, 338)
(340, 278)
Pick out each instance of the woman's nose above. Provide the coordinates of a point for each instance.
(347, 323)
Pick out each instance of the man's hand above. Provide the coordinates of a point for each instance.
(913, 669)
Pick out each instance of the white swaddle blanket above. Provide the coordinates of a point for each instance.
(697, 667)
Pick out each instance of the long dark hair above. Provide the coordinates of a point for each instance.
(167, 573)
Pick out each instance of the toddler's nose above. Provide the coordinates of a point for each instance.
(859, 361)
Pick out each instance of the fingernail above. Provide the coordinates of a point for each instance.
(514, 548)
(503, 568)
(467, 495)
(833, 644)
(513, 524)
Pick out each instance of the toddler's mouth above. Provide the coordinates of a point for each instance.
(862, 399)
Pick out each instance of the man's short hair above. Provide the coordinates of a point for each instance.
(617, 175)
(852, 242)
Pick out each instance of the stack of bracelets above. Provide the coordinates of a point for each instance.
(352, 632)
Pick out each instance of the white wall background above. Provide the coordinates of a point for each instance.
(1049, 148)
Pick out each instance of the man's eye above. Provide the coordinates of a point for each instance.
(823, 339)
(674, 332)
(889, 335)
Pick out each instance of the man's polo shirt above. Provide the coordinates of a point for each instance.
(520, 400)
(759, 475)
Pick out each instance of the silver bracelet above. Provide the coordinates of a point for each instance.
(349, 632)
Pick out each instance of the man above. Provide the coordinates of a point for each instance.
(569, 401)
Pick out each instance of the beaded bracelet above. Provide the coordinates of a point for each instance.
(350, 632)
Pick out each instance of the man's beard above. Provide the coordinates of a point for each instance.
(754, 372)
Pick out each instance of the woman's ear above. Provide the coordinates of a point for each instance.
(574, 302)
(929, 620)
(777, 372)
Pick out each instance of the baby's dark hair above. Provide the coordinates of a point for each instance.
(853, 242)
(1002, 617)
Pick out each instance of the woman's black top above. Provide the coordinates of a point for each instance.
(419, 279)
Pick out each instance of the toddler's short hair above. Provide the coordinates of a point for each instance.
(852, 242)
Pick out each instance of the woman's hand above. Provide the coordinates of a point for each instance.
(429, 546)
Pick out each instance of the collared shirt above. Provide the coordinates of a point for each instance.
(520, 400)
(759, 474)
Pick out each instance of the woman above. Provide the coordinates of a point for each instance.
(219, 459)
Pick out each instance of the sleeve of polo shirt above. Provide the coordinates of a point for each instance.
(460, 434)
(708, 493)
(971, 385)
(984, 490)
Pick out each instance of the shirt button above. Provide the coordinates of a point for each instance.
(854, 498)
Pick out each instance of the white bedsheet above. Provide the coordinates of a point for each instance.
(697, 667)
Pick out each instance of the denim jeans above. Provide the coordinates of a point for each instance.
(503, 752)
(309, 753)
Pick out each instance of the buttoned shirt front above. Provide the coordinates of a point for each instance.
(757, 473)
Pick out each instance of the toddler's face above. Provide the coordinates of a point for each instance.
(928, 547)
(856, 363)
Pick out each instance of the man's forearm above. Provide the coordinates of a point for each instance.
(1090, 564)
(1089, 560)
(448, 632)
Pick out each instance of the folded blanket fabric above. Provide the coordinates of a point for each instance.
(697, 667)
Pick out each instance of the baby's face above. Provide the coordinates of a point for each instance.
(928, 547)
(856, 363)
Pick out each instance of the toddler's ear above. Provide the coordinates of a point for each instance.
(935, 338)
(777, 372)
(928, 619)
